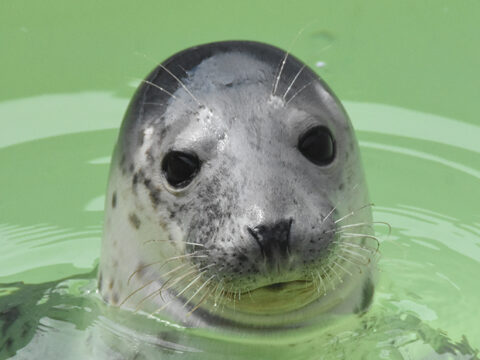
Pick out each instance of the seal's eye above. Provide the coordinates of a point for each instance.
(180, 168)
(318, 145)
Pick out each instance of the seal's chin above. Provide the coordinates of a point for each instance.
(274, 298)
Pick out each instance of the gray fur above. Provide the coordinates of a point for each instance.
(252, 173)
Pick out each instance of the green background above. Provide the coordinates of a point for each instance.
(423, 55)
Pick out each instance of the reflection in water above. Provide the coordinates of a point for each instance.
(66, 320)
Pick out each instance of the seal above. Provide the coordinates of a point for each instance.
(236, 195)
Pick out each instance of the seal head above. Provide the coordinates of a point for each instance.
(236, 194)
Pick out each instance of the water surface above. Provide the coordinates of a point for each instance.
(408, 75)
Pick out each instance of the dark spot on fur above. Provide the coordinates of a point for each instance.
(155, 197)
(114, 199)
(122, 163)
(110, 284)
(134, 220)
(135, 179)
(163, 132)
(154, 192)
(341, 186)
(242, 257)
(115, 298)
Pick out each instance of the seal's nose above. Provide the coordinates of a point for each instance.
(273, 239)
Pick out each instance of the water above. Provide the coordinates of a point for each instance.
(62, 99)
(426, 300)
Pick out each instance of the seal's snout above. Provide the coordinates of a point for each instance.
(273, 239)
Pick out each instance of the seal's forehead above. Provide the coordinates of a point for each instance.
(233, 68)
(191, 57)
(223, 76)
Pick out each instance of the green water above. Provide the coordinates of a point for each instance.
(408, 75)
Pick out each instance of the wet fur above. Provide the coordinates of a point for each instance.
(241, 107)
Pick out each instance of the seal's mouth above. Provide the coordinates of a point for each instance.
(280, 297)
(280, 286)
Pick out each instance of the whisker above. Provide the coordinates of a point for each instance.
(177, 280)
(342, 268)
(336, 206)
(365, 224)
(141, 269)
(182, 84)
(200, 302)
(353, 253)
(336, 274)
(287, 53)
(364, 247)
(171, 272)
(329, 214)
(224, 298)
(192, 256)
(180, 293)
(327, 275)
(353, 212)
(161, 289)
(168, 240)
(136, 291)
(362, 236)
(152, 294)
(343, 228)
(158, 291)
(368, 224)
(356, 246)
(293, 81)
(191, 283)
(351, 262)
(175, 269)
(219, 290)
(280, 73)
(159, 88)
(322, 283)
(299, 91)
(198, 290)
(220, 293)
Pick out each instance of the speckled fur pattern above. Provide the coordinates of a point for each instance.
(222, 102)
